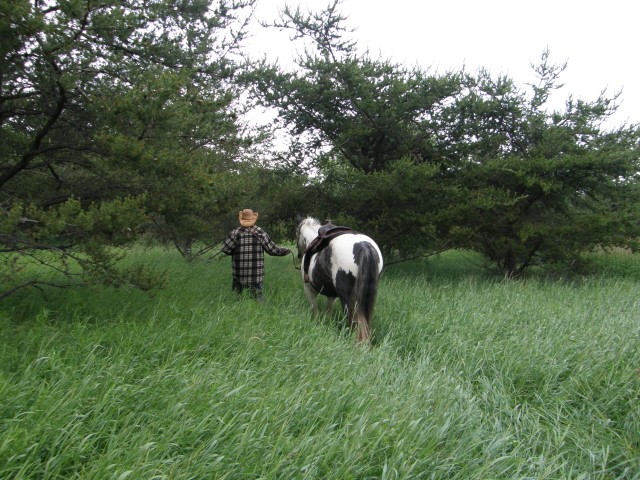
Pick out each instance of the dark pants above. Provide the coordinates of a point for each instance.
(255, 289)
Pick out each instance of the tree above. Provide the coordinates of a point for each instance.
(541, 187)
(363, 125)
(369, 112)
(425, 162)
(111, 114)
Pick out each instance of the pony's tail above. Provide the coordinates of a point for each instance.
(365, 290)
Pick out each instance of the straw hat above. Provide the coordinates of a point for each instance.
(247, 217)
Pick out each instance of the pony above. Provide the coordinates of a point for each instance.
(348, 268)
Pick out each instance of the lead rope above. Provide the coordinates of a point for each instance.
(293, 259)
(213, 257)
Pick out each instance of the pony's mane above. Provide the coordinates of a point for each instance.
(305, 227)
(310, 222)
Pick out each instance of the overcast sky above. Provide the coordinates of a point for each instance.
(599, 40)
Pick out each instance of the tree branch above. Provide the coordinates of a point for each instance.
(34, 150)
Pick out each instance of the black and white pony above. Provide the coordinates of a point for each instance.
(348, 268)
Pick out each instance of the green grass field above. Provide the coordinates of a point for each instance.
(470, 377)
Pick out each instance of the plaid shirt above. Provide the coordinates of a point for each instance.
(247, 245)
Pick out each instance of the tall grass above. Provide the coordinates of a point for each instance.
(469, 378)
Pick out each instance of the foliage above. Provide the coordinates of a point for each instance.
(123, 118)
(369, 113)
(279, 195)
(113, 103)
(365, 130)
(541, 187)
(396, 204)
(425, 162)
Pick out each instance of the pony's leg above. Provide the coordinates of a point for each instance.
(329, 306)
(312, 296)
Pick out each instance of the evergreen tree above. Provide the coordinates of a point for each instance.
(366, 129)
(426, 162)
(541, 186)
(112, 115)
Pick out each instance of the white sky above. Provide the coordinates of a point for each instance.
(599, 40)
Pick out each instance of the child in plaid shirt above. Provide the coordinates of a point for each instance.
(247, 244)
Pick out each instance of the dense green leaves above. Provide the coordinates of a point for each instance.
(545, 187)
(369, 112)
(126, 117)
(127, 104)
(425, 162)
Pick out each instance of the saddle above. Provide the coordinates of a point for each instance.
(326, 233)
